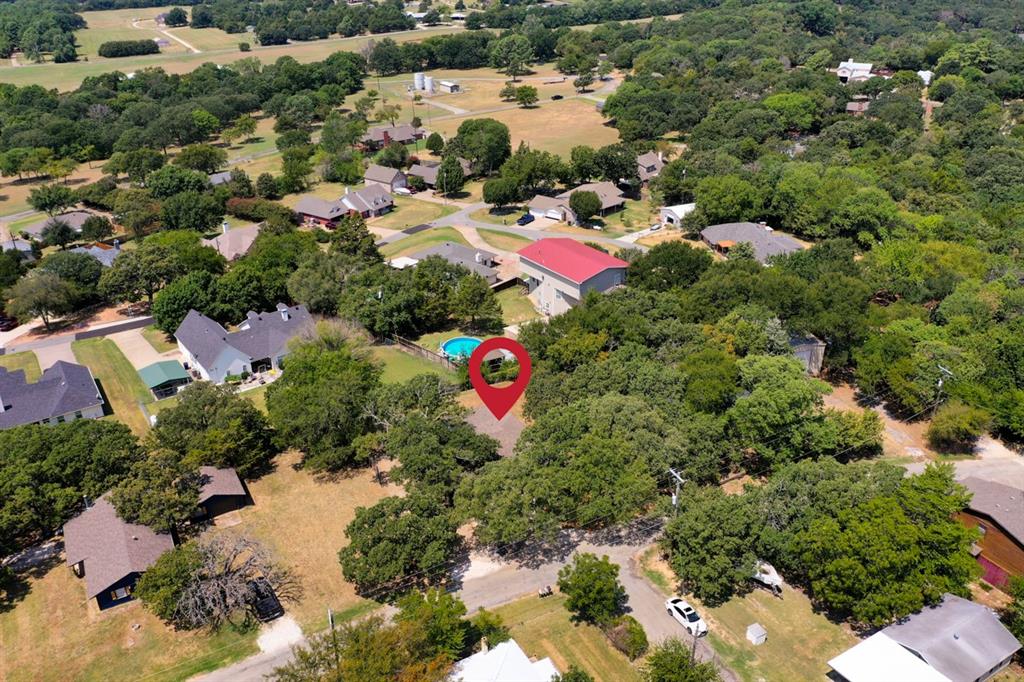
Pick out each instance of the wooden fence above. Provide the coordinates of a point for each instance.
(414, 348)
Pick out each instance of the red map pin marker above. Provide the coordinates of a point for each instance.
(499, 400)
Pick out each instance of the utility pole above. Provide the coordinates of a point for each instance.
(943, 373)
(675, 496)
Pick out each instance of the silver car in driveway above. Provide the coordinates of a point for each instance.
(687, 616)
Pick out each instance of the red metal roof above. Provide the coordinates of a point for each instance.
(569, 258)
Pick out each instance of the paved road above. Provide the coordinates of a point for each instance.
(490, 581)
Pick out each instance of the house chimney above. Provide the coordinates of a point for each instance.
(117, 245)
(484, 647)
(387, 138)
(283, 309)
(479, 257)
(224, 227)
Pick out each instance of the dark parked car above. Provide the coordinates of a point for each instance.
(265, 602)
(525, 219)
(7, 324)
(556, 97)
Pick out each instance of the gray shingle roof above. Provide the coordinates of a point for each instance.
(260, 335)
(1002, 503)
(651, 161)
(318, 208)
(428, 170)
(458, 254)
(377, 173)
(219, 482)
(104, 253)
(402, 132)
(960, 639)
(234, 243)
(220, 178)
(110, 547)
(609, 194)
(73, 218)
(766, 241)
(369, 198)
(62, 389)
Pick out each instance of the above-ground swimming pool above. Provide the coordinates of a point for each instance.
(461, 347)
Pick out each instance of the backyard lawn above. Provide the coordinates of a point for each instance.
(503, 241)
(401, 366)
(55, 634)
(25, 360)
(422, 240)
(506, 215)
(516, 308)
(160, 341)
(543, 629)
(409, 212)
(301, 518)
(122, 387)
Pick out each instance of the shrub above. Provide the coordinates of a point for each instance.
(628, 636)
(244, 47)
(128, 48)
(956, 427)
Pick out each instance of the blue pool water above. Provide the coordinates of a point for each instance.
(461, 347)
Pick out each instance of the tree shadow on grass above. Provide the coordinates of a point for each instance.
(15, 586)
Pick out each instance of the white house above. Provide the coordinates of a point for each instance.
(259, 344)
(504, 663)
(558, 272)
(853, 72)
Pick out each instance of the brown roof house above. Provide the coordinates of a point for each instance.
(388, 178)
(428, 171)
(382, 136)
(370, 201)
(110, 553)
(648, 166)
(234, 243)
(222, 491)
(557, 207)
(997, 511)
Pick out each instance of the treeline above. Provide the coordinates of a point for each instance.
(128, 48)
(510, 15)
(39, 27)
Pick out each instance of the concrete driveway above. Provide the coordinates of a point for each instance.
(138, 350)
(49, 355)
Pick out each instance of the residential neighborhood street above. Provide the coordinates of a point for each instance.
(490, 581)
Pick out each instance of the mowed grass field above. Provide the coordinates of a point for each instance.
(121, 384)
(551, 126)
(503, 241)
(409, 212)
(25, 360)
(160, 341)
(421, 240)
(121, 24)
(68, 76)
(543, 629)
(400, 366)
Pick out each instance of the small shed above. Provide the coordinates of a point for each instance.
(449, 87)
(164, 378)
(221, 491)
(756, 634)
(672, 216)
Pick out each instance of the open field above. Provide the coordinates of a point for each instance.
(121, 384)
(401, 366)
(211, 39)
(160, 341)
(543, 629)
(69, 76)
(409, 212)
(55, 634)
(116, 24)
(552, 126)
(506, 215)
(421, 240)
(302, 519)
(25, 360)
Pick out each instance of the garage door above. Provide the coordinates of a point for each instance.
(554, 214)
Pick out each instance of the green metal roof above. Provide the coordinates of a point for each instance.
(161, 372)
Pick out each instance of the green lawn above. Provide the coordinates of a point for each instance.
(503, 241)
(543, 629)
(516, 308)
(160, 341)
(401, 366)
(503, 216)
(25, 360)
(800, 641)
(258, 396)
(421, 240)
(121, 384)
(409, 212)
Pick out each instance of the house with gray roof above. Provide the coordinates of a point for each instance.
(220, 178)
(110, 553)
(475, 260)
(384, 176)
(22, 247)
(996, 510)
(220, 491)
(65, 392)
(104, 253)
(610, 195)
(428, 170)
(956, 640)
(648, 166)
(765, 240)
(76, 219)
(258, 345)
(370, 201)
(234, 243)
(317, 211)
